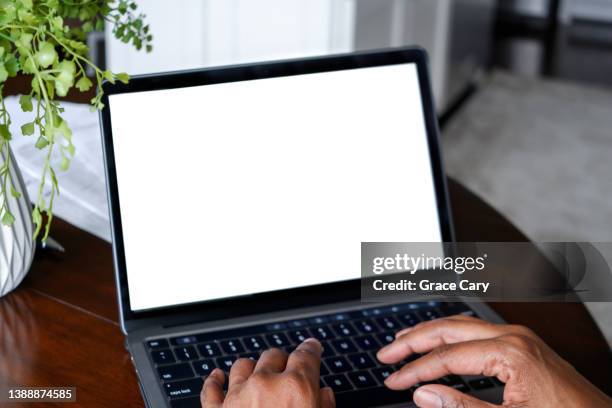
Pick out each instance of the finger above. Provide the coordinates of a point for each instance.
(212, 392)
(274, 360)
(328, 399)
(453, 317)
(306, 357)
(429, 335)
(439, 396)
(241, 371)
(488, 357)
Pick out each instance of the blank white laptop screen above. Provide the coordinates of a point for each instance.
(239, 188)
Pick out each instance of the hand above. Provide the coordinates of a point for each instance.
(275, 380)
(534, 375)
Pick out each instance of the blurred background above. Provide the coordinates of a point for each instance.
(523, 91)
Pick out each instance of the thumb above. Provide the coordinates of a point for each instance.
(441, 396)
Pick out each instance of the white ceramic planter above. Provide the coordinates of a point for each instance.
(16, 243)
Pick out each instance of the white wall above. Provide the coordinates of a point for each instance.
(197, 33)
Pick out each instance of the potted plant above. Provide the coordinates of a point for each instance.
(45, 41)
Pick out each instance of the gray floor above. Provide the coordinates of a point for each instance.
(539, 151)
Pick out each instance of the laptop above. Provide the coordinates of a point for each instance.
(239, 198)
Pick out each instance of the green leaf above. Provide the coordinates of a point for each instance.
(3, 74)
(57, 23)
(123, 77)
(46, 54)
(83, 84)
(15, 193)
(41, 143)
(78, 46)
(27, 129)
(65, 164)
(7, 218)
(109, 76)
(29, 66)
(1, 51)
(26, 103)
(5, 133)
(25, 40)
(12, 66)
(65, 78)
(87, 27)
(64, 130)
(70, 149)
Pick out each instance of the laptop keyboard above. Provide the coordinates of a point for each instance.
(349, 366)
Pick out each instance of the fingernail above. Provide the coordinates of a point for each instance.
(402, 332)
(391, 379)
(427, 399)
(313, 341)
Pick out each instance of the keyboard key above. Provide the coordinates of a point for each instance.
(255, 343)
(298, 323)
(277, 340)
(372, 312)
(276, 326)
(324, 369)
(344, 346)
(337, 364)
(175, 372)
(453, 308)
(366, 326)
(209, 350)
(183, 388)
(338, 383)
(298, 336)
(183, 340)
(409, 319)
(388, 323)
(429, 314)
(163, 356)
(322, 333)
(328, 350)
(367, 342)
(481, 383)
(253, 356)
(318, 320)
(344, 329)
(204, 367)
(340, 317)
(158, 344)
(382, 373)
(361, 361)
(232, 346)
(186, 353)
(191, 402)
(386, 338)
(362, 379)
(225, 363)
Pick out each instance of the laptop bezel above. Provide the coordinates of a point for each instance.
(276, 300)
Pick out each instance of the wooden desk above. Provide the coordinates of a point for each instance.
(60, 327)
